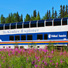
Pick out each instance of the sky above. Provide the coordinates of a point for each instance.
(27, 6)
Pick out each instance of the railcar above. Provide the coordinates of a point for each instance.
(34, 33)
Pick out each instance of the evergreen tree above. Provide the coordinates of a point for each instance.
(61, 12)
(34, 13)
(27, 18)
(52, 12)
(55, 14)
(21, 18)
(45, 17)
(32, 18)
(2, 19)
(12, 18)
(49, 14)
(38, 16)
(8, 19)
(17, 17)
(66, 12)
(66, 15)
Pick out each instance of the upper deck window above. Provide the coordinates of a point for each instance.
(19, 25)
(13, 25)
(41, 23)
(57, 22)
(48, 23)
(7, 26)
(1, 26)
(64, 21)
(26, 25)
(33, 24)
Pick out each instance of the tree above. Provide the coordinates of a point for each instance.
(17, 17)
(8, 19)
(61, 12)
(45, 17)
(12, 18)
(21, 18)
(38, 16)
(27, 18)
(2, 19)
(66, 15)
(34, 13)
(66, 12)
(49, 14)
(52, 12)
(55, 14)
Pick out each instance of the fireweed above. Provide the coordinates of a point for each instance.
(33, 58)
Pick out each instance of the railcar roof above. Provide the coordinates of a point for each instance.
(39, 21)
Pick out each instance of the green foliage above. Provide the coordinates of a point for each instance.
(38, 16)
(12, 18)
(34, 13)
(2, 19)
(27, 18)
(21, 18)
(51, 47)
(45, 17)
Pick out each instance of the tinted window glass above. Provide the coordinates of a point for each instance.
(45, 36)
(39, 37)
(11, 38)
(17, 37)
(29, 37)
(23, 37)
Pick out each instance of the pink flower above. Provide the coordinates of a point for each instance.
(33, 62)
(64, 52)
(61, 61)
(61, 53)
(56, 66)
(0, 65)
(9, 54)
(45, 63)
(46, 47)
(36, 66)
(2, 57)
(13, 52)
(3, 61)
(52, 52)
(38, 60)
(52, 63)
(56, 63)
(16, 49)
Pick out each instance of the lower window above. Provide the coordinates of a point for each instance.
(39, 37)
(29, 37)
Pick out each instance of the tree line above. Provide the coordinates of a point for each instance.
(50, 14)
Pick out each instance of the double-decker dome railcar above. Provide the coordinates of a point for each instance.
(39, 33)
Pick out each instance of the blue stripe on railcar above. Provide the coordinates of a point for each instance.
(51, 35)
